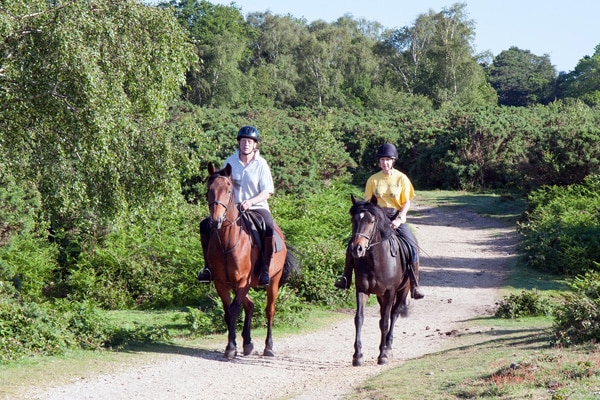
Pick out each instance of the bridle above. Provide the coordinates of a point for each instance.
(370, 236)
(225, 206)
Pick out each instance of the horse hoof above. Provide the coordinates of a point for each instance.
(248, 348)
(230, 354)
(382, 360)
(357, 362)
(268, 353)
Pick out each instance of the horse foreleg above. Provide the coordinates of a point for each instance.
(361, 299)
(400, 309)
(248, 312)
(272, 292)
(225, 295)
(234, 313)
(385, 348)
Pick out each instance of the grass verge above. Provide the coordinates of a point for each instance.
(501, 359)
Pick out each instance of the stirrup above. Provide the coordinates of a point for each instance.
(204, 276)
(342, 283)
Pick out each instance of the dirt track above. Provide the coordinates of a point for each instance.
(463, 262)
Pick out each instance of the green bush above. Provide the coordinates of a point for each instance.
(28, 328)
(562, 231)
(577, 320)
(33, 329)
(530, 303)
(318, 226)
(147, 262)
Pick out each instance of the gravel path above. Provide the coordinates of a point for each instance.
(463, 262)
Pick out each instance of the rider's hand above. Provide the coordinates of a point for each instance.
(246, 204)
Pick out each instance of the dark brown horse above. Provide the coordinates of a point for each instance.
(380, 268)
(235, 257)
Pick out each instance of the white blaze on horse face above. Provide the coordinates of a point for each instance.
(361, 239)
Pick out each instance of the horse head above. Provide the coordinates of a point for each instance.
(365, 220)
(220, 194)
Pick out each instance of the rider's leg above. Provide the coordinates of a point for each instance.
(264, 278)
(417, 292)
(268, 246)
(344, 281)
(204, 276)
(413, 267)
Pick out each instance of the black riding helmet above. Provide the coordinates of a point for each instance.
(387, 150)
(248, 131)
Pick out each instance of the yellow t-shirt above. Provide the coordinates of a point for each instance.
(392, 191)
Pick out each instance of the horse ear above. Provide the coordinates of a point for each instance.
(374, 200)
(228, 169)
(211, 168)
(353, 198)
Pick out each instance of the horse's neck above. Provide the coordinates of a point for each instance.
(233, 215)
(231, 232)
(384, 234)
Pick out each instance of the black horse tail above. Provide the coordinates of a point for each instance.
(291, 268)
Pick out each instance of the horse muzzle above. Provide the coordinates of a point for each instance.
(217, 221)
(358, 250)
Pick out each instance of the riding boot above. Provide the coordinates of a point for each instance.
(413, 273)
(268, 245)
(204, 276)
(343, 282)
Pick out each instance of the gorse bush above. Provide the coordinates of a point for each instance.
(561, 233)
(530, 303)
(318, 226)
(150, 262)
(33, 329)
(577, 320)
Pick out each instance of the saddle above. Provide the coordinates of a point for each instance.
(403, 246)
(256, 226)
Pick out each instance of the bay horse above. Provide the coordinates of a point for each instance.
(380, 261)
(234, 257)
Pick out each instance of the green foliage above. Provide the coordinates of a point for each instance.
(562, 231)
(149, 260)
(221, 38)
(26, 259)
(522, 78)
(19, 205)
(435, 58)
(584, 81)
(530, 303)
(28, 263)
(33, 329)
(318, 226)
(84, 88)
(565, 144)
(577, 320)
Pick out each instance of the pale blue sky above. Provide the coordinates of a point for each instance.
(565, 30)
